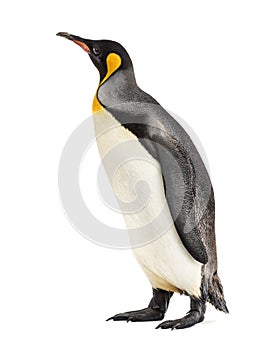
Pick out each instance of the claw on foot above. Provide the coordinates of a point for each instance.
(189, 320)
(143, 315)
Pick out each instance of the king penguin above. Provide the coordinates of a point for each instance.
(183, 259)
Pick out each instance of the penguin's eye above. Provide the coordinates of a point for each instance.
(96, 50)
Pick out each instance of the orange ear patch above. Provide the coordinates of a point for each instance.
(113, 62)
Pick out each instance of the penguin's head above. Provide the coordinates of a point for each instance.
(108, 56)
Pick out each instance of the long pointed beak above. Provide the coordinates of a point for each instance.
(76, 39)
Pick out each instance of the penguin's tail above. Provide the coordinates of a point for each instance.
(215, 294)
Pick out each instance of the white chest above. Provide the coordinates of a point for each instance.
(137, 182)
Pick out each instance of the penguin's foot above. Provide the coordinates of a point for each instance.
(154, 312)
(189, 320)
(195, 315)
(147, 314)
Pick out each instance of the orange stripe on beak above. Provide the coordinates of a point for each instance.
(82, 45)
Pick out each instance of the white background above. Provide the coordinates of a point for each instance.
(205, 60)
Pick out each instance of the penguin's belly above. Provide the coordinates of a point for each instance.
(137, 182)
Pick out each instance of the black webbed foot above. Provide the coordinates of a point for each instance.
(154, 312)
(195, 315)
(146, 314)
(189, 320)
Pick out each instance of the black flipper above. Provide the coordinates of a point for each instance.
(179, 172)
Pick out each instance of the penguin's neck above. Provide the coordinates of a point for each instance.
(118, 88)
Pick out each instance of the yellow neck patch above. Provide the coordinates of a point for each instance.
(113, 62)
